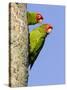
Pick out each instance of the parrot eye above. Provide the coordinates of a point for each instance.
(39, 17)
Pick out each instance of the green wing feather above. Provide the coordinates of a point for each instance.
(36, 43)
(31, 17)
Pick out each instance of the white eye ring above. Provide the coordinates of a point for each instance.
(39, 16)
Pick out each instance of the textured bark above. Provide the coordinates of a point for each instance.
(18, 45)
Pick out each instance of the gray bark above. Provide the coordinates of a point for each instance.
(18, 45)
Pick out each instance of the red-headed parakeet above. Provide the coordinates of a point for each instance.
(34, 18)
(37, 39)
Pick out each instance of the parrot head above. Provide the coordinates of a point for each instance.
(39, 17)
(48, 28)
(45, 28)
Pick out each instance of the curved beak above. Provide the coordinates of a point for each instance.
(49, 29)
(40, 21)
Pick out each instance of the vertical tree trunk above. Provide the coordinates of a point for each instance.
(18, 45)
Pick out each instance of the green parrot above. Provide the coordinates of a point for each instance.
(37, 38)
(34, 18)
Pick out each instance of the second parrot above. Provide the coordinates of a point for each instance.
(37, 39)
(34, 18)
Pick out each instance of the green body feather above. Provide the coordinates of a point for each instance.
(31, 17)
(37, 39)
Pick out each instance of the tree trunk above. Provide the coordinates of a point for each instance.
(18, 45)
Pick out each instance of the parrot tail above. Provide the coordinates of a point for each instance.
(31, 66)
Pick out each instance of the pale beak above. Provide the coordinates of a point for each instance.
(40, 21)
(49, 30)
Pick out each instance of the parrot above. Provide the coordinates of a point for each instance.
(34, 18)
(37, 38)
